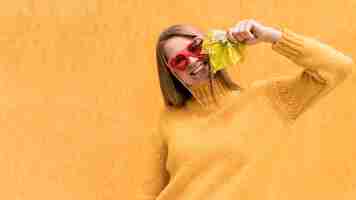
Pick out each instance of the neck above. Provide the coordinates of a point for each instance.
(210, 97)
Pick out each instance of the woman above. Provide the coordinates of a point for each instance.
(212, 141)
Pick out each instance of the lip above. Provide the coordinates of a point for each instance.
(196, 69)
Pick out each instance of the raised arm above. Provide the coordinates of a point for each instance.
(324, 66)
(328, 63)
(324, 69)
(155, 176)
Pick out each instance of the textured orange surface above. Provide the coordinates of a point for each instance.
(78, 85)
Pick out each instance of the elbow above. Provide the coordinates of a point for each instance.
(344, 70)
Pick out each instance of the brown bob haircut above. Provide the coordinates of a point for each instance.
(174, 92)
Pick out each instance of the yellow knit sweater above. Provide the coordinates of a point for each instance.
(234, 152)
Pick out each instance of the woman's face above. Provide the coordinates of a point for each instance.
(185, 62)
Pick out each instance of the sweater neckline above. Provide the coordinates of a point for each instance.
(203, 102)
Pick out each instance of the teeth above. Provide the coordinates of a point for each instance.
(197, 69)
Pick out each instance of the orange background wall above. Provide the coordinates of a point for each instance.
(79, 87)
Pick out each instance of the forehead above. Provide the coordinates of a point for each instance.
(175, 44)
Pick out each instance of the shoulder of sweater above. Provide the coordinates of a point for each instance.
(279, 91)
(264, 85)
(169, 113)
(259, 84)
(167, 117)
(291, 94)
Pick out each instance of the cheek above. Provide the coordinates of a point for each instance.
(183, 76)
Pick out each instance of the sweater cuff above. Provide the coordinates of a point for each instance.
(290, 44)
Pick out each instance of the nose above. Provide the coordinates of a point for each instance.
(192, 60)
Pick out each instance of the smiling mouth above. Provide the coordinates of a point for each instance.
(195, 70)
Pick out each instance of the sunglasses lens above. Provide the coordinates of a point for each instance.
(194, 49)
(195, 46)
(179, 62)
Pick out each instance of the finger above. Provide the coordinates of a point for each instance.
(238, 32)
(242, 30)
(238, 36)
(234, 32)
(238, 25)
(230, 36)
(248, 29)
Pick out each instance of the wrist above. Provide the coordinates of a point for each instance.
(273, 35)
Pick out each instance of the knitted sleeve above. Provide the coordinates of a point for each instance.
(155, 176)
(324, 68)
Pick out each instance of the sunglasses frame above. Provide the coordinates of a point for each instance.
(193, 49)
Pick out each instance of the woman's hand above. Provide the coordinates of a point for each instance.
(252, 32)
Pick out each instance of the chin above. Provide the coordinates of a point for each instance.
(201, 80)
(202, 77)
